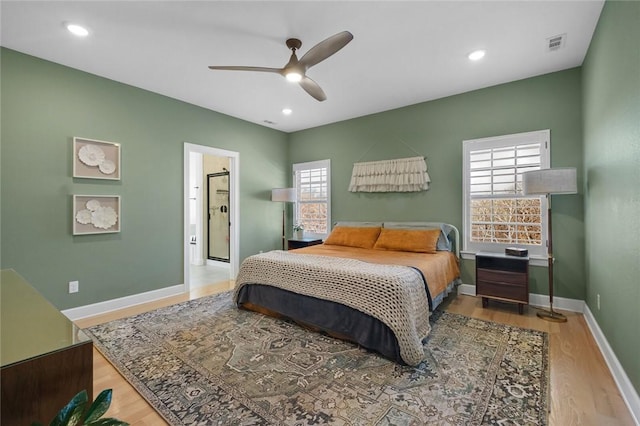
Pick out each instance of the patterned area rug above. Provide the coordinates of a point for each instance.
(207, 362)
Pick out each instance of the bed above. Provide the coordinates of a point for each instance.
(372, 283)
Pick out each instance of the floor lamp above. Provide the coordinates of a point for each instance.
(283, 195)
(547, 182)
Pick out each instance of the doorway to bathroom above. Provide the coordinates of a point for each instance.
(211, 215)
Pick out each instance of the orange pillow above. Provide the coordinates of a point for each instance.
(414, 240)
(364, 237)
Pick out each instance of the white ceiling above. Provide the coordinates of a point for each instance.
(402, 53)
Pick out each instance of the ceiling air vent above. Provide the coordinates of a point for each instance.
(556, 42)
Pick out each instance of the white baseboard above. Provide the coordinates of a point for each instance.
(467, 289)
(539, 300)
(122, 302)
(629, 394)
(571, 305)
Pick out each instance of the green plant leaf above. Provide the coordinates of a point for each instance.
(99, 407)
(76, 415)
(71, 413)
(108, 422)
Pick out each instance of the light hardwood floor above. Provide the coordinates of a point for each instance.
(583, 391)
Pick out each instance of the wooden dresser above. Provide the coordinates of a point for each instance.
(502, 277)
(46, 360)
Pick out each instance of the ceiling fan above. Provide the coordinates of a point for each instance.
(295, 70)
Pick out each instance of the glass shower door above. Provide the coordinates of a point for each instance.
(218, 223)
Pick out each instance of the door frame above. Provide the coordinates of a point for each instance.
(234, 202)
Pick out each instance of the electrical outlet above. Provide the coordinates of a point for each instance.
(74, 286)
(598, 301)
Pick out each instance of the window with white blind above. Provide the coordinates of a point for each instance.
(496, 214)
(313, 190)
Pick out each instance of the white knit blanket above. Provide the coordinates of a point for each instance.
(393, 294)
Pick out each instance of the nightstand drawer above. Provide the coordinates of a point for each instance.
(502, 291)
(498, 276)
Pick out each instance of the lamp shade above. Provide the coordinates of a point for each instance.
(287, 195)
(550, 181)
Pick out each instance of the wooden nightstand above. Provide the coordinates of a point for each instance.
(296, 243)
(502, 277)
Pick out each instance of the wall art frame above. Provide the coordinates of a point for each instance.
(95, 159)
(96, 214)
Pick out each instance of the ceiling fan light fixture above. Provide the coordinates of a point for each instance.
(294, 76)
(477, 55)
(77, 30)
(295, 70)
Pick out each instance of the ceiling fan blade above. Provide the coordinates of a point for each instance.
(325, 48)
(241, 68)
(312, 88)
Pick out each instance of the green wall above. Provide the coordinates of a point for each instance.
(43, 106)
(436, 130)
(611, 82)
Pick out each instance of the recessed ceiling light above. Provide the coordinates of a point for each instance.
(287, 111)
(476, 55)
(77, 30)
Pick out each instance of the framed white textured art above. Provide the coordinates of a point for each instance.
(96, 214)
(93, 159)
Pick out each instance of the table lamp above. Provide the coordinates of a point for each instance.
(283, 195)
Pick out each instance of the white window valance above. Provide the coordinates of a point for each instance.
(399, 175)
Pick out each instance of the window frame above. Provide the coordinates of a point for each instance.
(537, 254)
(310, 165)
